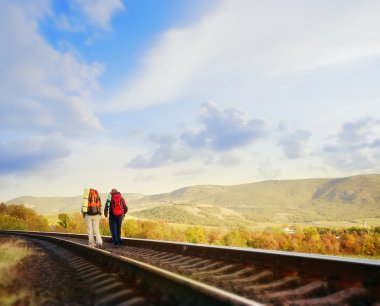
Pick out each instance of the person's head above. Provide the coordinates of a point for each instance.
(114, 190)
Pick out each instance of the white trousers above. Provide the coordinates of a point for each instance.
(92, 223)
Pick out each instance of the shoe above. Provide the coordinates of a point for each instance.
(115, 245)
(100, 246)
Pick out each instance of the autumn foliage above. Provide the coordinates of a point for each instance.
(334, 241)
(19, 217)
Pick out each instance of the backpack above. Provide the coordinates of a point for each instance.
(117, 204)
(94, 203)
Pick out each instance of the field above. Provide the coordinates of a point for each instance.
(12, 252)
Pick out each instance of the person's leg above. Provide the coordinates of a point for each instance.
(90, 232)
(95, 224)
(119, 222)
(113, 227)
(110, 226)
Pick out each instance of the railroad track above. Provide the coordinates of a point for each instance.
(212, 275)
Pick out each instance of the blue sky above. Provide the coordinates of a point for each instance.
(149, 96)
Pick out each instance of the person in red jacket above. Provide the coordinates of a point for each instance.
(115, 210)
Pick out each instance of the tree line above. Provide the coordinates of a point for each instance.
(353, 241)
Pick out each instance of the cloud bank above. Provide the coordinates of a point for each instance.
(220, 131)
(88, 16)
(44, 91)
(356, 147)
(247, 41)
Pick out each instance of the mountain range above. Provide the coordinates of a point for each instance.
(348, 199)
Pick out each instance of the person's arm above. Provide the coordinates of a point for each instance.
(106, 208)
(125, 207)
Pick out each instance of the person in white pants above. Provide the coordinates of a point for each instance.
(92, 210)
(92, 223)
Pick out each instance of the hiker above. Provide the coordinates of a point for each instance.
(115, 208)
(92, 210)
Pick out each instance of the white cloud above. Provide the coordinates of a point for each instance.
(246, 40)
(42, 88)
(221, 131)
(224, 129)
(97, 13)
(44, 92)
(169, 150)
(294, 143)
(356, 147)
(69, 24)
(29, 154)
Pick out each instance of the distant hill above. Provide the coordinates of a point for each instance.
(287, 201)
(206, 215)
(48, 205)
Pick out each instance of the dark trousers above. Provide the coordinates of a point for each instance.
(115, 227)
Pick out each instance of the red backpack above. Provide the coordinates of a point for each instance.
(94, 203)
(117, 204)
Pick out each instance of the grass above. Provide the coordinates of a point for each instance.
(11, 253)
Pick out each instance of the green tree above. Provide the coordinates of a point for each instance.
(64, 220)
(196, 234)
(237, 237)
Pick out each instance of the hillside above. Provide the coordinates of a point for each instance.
(282, 201)
(48, 205)
(287, 201)
(194, 214)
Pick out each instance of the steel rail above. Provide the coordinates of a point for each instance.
(183, 290)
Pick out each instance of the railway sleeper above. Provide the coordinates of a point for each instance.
(111, 286)
(238, 284)
(283, 283)
(183, 265)
(229, 278)
(207, 267)
(176, 262)
(167, 258)
(140, 252)
(207, 275)
(138, 301)
(198, 263)
(189, 260)
(170, 259)
(159, 256)
(350, 296)
(313, 289)
(116, 297)
(102, 283)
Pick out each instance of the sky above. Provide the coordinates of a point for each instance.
(150, 96)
